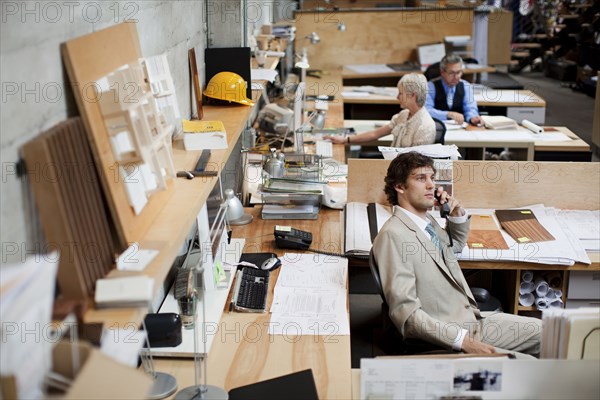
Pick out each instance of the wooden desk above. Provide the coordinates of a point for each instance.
(349, 73)
(244, 353)
(574, 149)
(516, 104)
(390, 78)
(573, 186)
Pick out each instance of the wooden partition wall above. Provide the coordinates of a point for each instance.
(376, 36)
(495, 184)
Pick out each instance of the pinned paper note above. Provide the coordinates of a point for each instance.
(135, 258)
(523, 239)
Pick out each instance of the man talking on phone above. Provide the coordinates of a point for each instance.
(452, 98)
(427, 294)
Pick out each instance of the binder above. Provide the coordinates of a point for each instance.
(295, 386)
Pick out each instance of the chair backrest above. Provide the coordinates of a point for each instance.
(375, 273)
(433, 71)
(440, 131)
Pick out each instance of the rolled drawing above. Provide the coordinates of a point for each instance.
(551, 294)
(532, 127)
(526, 287)
(526, 299)
(541, 303)
(541, 287)
(556, 303)
(527, 276)
(554, 279)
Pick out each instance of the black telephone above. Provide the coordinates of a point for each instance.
(287, 237)
(444, 208)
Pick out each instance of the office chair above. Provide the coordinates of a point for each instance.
(433, 71)
(393, 343)
(440, 131)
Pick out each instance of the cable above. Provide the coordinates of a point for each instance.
(327, 253)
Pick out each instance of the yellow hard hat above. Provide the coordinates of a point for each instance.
(228, 86)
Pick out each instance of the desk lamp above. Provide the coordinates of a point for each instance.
(303, 64)
(235, 210)
(199, 390)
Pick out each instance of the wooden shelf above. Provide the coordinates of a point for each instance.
(177, 215)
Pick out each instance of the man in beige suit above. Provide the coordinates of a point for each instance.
(425, 289)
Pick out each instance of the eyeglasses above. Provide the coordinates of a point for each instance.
(454, 73)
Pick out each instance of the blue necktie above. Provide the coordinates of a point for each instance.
(450, 98)
(434, 237)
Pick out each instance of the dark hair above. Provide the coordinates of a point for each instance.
(399, 170)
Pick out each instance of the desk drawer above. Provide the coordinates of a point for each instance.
(584, 285)
(537, 115)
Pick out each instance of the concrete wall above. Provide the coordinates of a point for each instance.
(35, 96)
(34, 91)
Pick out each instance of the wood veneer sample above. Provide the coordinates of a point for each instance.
(72, 207)
(485, 234)
(523, 226)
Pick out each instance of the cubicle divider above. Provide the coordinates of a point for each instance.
(376, 35)
(494, 184)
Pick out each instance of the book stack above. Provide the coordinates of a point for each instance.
(131, 291)
(200, 135)
(498, 122)
(571, 334)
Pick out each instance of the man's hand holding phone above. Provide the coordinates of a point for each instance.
(449, 206)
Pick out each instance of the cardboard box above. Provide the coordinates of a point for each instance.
(99, 376)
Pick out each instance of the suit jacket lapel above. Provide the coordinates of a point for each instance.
(453, 267)
(427, 244)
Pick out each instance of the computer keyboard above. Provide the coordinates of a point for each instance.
(324, 148)
(251, 287)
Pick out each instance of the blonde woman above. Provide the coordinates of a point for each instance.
(413, 126)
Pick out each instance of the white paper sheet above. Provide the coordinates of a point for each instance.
(310, 296)
(263, 74)
(26, 298)
(432, 150)
(564, 250)
(504, 96)
(369, 68)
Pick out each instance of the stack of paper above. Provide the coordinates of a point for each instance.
(310, 296)
(131, 291)
(359, 216)
(571, 334)
(498, 122)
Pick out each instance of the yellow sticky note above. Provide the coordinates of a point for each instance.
(476, 244)
(523, 239)
(202, 126)
(525, 212)
(219, 272)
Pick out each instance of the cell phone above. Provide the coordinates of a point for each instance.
(444, 208)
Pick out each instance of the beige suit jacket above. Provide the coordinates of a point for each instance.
(426, 291)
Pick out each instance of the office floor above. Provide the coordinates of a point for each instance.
(564, 107)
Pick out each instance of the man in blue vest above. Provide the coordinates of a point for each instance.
(452, 97)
